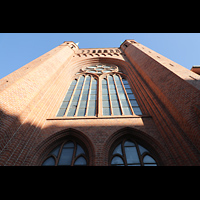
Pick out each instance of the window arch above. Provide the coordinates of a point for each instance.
(129, 153)
(98, 91)
(69, 153)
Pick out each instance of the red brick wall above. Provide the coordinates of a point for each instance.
(30, 101)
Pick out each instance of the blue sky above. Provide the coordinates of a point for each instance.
(18, 49)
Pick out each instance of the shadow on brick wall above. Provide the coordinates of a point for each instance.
(14, 140)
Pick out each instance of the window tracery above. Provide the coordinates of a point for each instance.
(100, 85)
(69, 153)
(129, 153)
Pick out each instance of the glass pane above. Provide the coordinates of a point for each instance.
(80, 161)
(137, 111)
(131, 155)
(81, 112)
(124, 103)
(68, 96)
(131, 96)
(122, 96)
(104, 82)
(106, 111)
(64, 104)
(49, 162)
(93, 97)
(117, 160)
(105, 97)
(150, 164)
(105, 91)
(115, 104)
(106, 104)
(118, 150)
(66, 156)
(74, 82)
(55, 151)
(142, 149)
(127, 86)
(148, 159)
(93, 92)
(61, 112)
(134, 103)
(68, 145)
(116, 111)
(79, 150)
(125, 81)
(92, 103)
(114, 97)
(129, 91)
(83, 104)
(126, 111)
(71, 112)
(91, 111)
(129, 144)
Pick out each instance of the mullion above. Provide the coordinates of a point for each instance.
(89, 92)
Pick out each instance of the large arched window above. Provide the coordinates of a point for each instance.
(99, 91)
(69, 153)
(130, 153)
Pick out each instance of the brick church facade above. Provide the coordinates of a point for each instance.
(100, 107)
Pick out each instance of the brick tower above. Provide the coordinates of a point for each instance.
(100, 107)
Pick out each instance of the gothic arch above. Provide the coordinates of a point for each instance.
(54, 140)
(77, 64)
(139, 136)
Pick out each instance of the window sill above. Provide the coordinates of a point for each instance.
(102, 117)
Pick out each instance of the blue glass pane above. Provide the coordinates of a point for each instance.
(49, 162)
(81, 112)
(142, 149)
(68, 145)
(131, 96)
(61, 112)
(134, 103)
(71, 112)
(117, 160)
(83, 104)
(129, 144)
(137, 111)
(148, 159)
(106, 111)
(106, 104)
(116, 111)
(55, 151)
(131, 155)
(124, 103)
(80, 161)
(66, 156)
(79, 150)
(64, 104)
(118, 150)
(126, 111)
(91, 111)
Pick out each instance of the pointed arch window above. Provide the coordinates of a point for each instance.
(99, 91)
(69, 153)
(130, 153)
